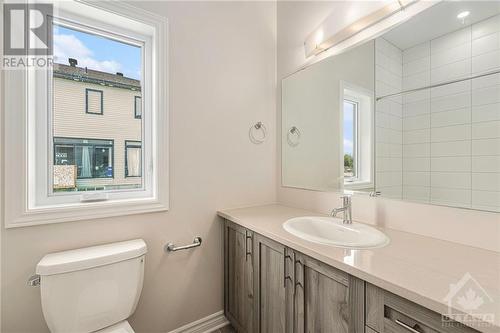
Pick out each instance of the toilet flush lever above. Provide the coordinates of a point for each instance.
(34, 280)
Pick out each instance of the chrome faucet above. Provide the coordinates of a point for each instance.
(346, 209)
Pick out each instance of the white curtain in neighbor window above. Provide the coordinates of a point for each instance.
(86, 168)
(134, 162)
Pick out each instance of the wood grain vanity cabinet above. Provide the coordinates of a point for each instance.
(270, 288)
(238, 277)
(271, 284)
(326, 299)
(291, 292)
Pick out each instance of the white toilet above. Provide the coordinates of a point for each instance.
(93, 289)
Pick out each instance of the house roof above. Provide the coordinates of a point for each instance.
(92, 76)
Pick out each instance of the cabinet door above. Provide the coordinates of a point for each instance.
(327, 299)
(271, 285)
(389, 313)
(238, 277)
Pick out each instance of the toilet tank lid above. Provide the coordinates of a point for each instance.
(94, 256)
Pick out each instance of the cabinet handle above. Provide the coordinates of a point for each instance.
(408, 327)
(295, 282)
(247, 252)
(285, 276)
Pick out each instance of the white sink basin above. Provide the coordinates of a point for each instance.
(331, 231)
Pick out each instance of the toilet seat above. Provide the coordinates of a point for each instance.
(121, 327)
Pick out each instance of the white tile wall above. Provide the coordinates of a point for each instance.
(486, 130)
(451, 148)
(486, 181)
(450, 120)
(416, 178)
(416, 136)
(454, 197)
(451, 134)
(452, 117)
(486, 147)
(416, 123)
(388, 119)
(451, 180)
(416, 193)
(451, 102)
(451, 164)
(485, 106)
(486, 45)
(417, 164)
(486, 164)
(416, 150)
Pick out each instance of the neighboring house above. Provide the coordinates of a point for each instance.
(97, 128)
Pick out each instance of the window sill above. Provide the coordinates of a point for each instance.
(358, 185)
(85, 211)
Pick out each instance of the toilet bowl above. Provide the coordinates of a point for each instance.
(93, 289)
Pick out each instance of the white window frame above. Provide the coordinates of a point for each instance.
(355, 141)
(28, 134)
(364, 133)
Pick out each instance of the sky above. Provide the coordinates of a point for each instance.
(96, 52)
(348, 128)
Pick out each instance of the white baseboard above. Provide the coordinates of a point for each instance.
(204, 325)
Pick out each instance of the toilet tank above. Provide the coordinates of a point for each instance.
(87, 289)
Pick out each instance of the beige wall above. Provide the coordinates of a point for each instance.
(222, 80)
(296, 19)
(117, 123)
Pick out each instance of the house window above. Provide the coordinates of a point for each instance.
(133, 157)
(358, 140)
(64, 164)
(93, 101)
(137, 107)
(350, 140)
(92, 158)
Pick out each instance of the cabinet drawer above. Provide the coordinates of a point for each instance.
(389, 313)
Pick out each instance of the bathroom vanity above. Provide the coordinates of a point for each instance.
(277, 282)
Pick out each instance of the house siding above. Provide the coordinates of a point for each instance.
(117, 122)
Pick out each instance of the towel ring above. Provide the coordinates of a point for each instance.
(293, 132)
(257, 127)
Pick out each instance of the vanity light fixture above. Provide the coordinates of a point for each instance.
(361, 17)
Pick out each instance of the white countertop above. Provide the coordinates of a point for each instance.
(420, 269)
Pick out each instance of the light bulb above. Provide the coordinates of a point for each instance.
(463, 15)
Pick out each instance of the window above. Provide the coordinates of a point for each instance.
(93, 101)
(92, 158)
(69, 165)
(350, 140)
(133, 165)
(137, 107)
(357, 120)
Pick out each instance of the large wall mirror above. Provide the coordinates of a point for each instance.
(413, 114)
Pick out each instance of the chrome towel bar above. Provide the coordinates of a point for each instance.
(170, 247)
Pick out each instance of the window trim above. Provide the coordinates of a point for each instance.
(87, 101)
(23, 101)
(366, 143)
(135, 107)
(128, 145)
(355, 143)
(112, 145)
